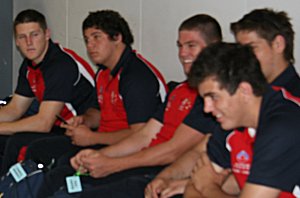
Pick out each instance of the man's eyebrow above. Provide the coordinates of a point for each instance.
(208, 94)
(185, 43)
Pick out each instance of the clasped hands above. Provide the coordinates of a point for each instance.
(204, 176)
(93, 162)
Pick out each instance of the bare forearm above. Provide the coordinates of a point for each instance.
(15, 109)
(127, 146)
(182, 167)
(213, 191)
(209, 192)
(8, 115)
(158, 155)
(164, 153)
(32, 124)
(41, 122)
(116, 136)
(135, 142)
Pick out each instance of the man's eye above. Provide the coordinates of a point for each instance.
(21, 37)
(97, 36)
(214, 97)
(35, 34)
(191, 45)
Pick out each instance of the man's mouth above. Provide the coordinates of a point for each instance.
(187, 61)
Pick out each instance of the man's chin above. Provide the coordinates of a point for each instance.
(227, 127)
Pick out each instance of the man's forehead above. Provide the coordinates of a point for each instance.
(193, 35)
(247, 36)
(27, 27)
(209, 84)
(92, 30)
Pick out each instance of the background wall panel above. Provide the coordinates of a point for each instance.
(154, 23)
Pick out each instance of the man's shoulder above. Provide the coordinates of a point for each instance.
(290, 80)
(60, 60)
(279, 111)
(184, 90)
(136, 69)
(61, 54)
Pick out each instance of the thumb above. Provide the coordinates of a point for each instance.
(225, 173)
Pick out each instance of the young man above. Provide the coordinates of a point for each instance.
(129, 87)
(273, 46)
(163, 138)
(271, 36)
(58, 78)
(229, 78)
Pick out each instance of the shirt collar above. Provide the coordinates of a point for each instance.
(121, 63)
(285, 76)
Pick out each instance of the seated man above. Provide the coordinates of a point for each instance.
(256, 30)
(235, 91)
(42, 76)
(163, 138)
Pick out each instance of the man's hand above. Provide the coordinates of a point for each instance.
(76, 161)
(76, 121)
(80, 135)
(155, 187)
(205, 177)
(163, 188)
(99, 165)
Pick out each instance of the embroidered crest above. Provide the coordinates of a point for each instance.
(185, 105)
(242, 163)
(242, 156)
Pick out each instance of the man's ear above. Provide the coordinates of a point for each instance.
(17, 43)
(245, 89)
(48, 33)
(118, 38)
(279, 44)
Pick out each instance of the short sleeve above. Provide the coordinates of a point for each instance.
(198, 119)
(276, 159)
(216, 148)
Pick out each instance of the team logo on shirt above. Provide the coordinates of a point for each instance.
(242, 163)
(113, 97)
(185, 105)
(242, 156)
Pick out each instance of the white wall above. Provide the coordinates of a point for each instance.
(154, 23)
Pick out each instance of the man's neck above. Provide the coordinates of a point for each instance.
(279, 68)
(253, 112)
(115, 57)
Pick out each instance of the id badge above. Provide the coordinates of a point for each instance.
(18, 172)
(73, 184)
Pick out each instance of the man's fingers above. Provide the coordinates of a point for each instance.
(206, 138)
(67, 126)
(205, 159)
(225, 172)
